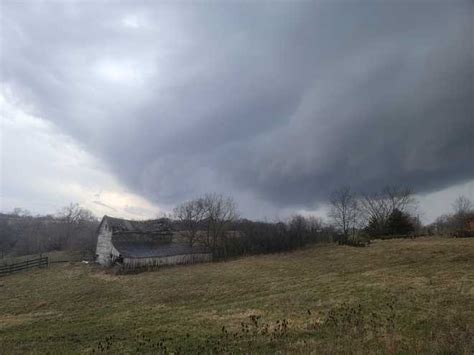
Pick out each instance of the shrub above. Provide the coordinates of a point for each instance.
(360, 239)
(462, 233)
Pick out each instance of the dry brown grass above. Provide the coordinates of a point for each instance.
(429, 282)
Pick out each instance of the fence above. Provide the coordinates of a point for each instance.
(24, 265)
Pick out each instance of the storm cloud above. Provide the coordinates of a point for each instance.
(279, 102)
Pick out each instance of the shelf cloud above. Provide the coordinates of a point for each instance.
(277, 102)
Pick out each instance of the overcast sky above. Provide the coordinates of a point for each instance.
(131, 107)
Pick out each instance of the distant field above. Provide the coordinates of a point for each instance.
(394, 296)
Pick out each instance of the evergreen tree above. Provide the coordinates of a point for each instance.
(399, 223)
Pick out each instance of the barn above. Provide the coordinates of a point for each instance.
(136, 244)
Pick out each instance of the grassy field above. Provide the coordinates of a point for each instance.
(394, 296)
(54, 257)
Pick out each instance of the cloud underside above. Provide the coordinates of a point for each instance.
(43, 170)
(282, 102)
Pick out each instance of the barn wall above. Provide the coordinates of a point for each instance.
(104, 245)
(167, 260)
(115, 253)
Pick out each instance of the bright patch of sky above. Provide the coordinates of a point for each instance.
(43, 170)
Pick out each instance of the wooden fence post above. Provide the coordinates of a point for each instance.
(24, 265)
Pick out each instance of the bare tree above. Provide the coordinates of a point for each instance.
(376, 208)
(30, 236)
(344, 210)
(207, 220)
(8, 237)
(76, 223)
(191, 215)
(20, 212)
(400, 198)
(72, 228)
(462, 206)
(315, 224)
(298, 229)
(220, 212)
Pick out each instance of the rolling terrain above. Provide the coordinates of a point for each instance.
(394, 296)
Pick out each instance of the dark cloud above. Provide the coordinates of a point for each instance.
(280, 101)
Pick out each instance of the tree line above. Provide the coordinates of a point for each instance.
(213, 220)
(359, 216)
(354, 219)
(72, 228)
(455, 223)
(391, 212)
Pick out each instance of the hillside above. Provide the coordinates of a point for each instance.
(395, 295)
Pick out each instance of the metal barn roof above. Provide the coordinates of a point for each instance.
(132, 249)
(119, 225)
(147, 239)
